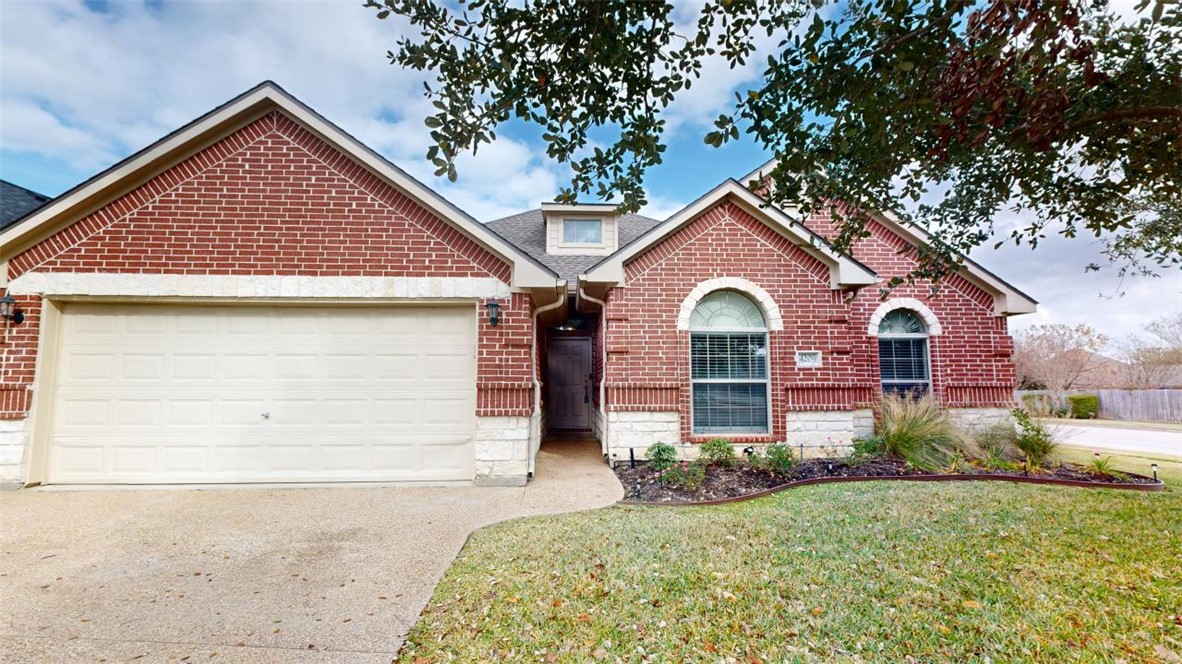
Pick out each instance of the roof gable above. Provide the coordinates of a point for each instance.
(283, 201)
(844, 271)
(527, 230)
(1008, 300)
(137, 169)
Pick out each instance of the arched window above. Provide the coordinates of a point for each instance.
(729, 365)
(903, 353)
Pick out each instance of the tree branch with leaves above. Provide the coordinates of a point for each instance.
(947, 112)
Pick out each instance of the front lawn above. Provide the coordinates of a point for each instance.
(880, 571)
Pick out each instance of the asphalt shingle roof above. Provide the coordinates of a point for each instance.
(527, 230)
(16, 202)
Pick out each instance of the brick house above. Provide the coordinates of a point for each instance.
(258, 297)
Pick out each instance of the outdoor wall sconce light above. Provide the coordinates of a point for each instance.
(9, 312)
(494, 313)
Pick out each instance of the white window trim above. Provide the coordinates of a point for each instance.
(921, 309)
(564, 243)
(767, 380)
(762, 299)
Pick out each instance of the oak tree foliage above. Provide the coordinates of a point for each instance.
(945, 111)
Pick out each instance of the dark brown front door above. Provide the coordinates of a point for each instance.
(569, 383)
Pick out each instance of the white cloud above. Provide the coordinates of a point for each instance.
(30, 128)
(661, 207)
(82, 88)
(87, 87)
(1054, 274)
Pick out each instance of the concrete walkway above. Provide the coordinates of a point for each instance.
(250, 575)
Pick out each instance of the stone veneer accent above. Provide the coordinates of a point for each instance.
(640, 429)
(819, 429)
(12, 448)
(502, 451)
(978, 419)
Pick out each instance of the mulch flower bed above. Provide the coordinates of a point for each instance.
(643, 484)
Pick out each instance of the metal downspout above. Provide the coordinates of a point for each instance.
(561, 287)
(604, 446)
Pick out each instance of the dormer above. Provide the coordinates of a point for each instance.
(580, 230)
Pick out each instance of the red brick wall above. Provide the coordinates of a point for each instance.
(504, 383)
(648, 358)
(18, 359)
(273, 199)
(971, 363)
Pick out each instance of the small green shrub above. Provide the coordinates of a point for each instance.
(686, 475)
(1035, 440)
(1084, 406)
(996, 459)
(779, 458)
(867, 448)
(719, 451)
(918, 431)
(999, 445)
(1038, 404)
(959, 465)
(864, 450)
(661, 456)
(1102, 467)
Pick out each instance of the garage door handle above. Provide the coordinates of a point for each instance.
(266, 416)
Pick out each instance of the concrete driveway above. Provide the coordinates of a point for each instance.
(249, 575)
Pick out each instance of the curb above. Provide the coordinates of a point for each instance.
(1020, 479)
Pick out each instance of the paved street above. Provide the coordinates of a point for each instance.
(1130, 439)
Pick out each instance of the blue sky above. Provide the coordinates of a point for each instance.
(83, 85)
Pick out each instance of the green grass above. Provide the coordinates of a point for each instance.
(871, 572)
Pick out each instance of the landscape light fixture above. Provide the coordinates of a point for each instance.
(1154, 467)
(494, 312)
(749, 451)
(9, 312)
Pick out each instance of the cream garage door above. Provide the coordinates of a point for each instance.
(160, 394)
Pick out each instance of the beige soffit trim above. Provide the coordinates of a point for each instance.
(1008, 300)
(252, 104)
(843, 270)
(587, 208)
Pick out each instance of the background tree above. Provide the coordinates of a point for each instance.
(955, 109)
(1156, 360)
(1056, 357)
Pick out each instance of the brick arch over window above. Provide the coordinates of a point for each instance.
(911, 303)
(758, 295)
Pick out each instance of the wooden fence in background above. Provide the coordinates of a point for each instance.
(1148, 405)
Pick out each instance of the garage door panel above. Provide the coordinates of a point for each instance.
(347, 367)
(138, 413)
(91, 366)
(193, 367)
(263, 395)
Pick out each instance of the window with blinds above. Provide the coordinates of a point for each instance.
(729, 366)
(903, 361)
